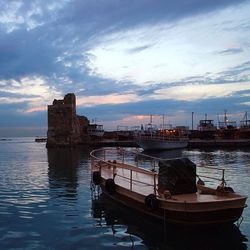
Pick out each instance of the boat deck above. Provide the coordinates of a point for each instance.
(142, 182)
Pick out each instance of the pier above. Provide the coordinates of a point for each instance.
(195, 143)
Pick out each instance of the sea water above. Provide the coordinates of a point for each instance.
(46, 202)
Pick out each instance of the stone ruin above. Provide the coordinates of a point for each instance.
(65, 127)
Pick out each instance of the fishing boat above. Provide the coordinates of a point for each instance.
(161, 140)
(207, 129)
(95, 130)
(167, 190)
(125, 133)
(227, 129)
(244, 129)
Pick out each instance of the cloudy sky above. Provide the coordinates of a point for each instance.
(124, 60)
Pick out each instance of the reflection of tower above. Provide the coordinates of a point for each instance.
(62, 172)
(65, 127)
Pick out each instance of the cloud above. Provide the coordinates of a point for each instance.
(138, 49)
(198, 92)
(118, 55)
(114, 98)
(33, 93)
(36, 109)
(174, 53)
(231, 51)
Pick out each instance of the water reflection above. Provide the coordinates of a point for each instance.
(63, 164)
(166, 154)
(156, 236)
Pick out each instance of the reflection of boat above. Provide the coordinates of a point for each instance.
(154, 235)
(171, 195)
(96, 130)
(161, 140)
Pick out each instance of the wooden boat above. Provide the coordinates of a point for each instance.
(170, 193)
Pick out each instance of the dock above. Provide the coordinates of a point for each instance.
(114, 143)
(219, 143)
(194, 143)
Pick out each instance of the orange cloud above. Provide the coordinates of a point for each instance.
(36, 109)
(107, 99)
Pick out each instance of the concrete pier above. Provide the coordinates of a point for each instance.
(197, 143)
(219, 143)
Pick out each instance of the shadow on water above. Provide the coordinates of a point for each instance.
(156, 236)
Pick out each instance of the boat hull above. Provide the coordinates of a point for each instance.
(148, 144)
(182, 217)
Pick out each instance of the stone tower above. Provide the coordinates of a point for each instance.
(65, 127)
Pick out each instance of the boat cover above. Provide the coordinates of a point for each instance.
(178, 176)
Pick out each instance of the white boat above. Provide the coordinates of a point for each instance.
(161, 140)
(207, 129)
(96, 130)
(173, 193)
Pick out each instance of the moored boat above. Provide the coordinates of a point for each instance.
(95, 130)
(170, 193)
(40, 139)
(161, 140)
(207, 129)
(227, 129)
(244, 129)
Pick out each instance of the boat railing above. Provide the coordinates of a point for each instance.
(163, 137)
(207, 174)
(121, 159)
(105, 158)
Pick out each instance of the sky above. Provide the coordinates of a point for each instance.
(124, 60)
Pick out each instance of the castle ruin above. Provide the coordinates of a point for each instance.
(65, 127)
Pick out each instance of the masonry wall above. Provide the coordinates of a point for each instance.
(65, 127)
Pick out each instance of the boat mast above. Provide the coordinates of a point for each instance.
(225, 118)
(192, 121)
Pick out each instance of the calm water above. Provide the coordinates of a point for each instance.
(46, 203)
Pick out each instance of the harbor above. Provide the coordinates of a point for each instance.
(71, 129)
(195, 143)
(125, 125)
(53, 186)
